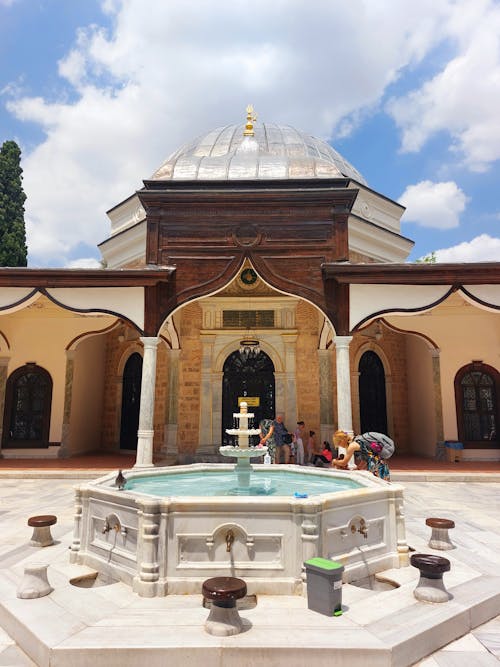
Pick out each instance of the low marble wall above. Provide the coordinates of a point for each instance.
(162, 545)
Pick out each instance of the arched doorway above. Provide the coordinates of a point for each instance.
(131, 401)
(27, 408)
(251, 377)
(372, 396)
(477, 394)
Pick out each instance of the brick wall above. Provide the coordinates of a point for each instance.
(189, 325)
(307, 366)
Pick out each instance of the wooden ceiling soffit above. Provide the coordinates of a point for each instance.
(484, 273)
(81, 278)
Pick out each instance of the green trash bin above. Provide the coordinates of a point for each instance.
(324, 585)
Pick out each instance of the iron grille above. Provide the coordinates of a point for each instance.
(248, 319)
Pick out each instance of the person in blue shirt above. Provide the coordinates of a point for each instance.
(282, 440)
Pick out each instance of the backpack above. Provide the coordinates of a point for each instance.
(379, 443)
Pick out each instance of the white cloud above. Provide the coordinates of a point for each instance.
(436, 205)
(463, 98)
(185, 66)
(483, 248)
(83, 263)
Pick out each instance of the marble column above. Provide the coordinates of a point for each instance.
(438, 400)
(145, 432)
(216, 383)
(65, 448)
(344, 402)
(205, 436)
(325, 395)
(344, 406)
(290, 415)
(4, 363)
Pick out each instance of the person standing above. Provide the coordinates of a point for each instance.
(267, 436)
(313, 448)
(299, 443)
(282, 439)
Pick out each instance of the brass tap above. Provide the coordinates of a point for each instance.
(107, 526)
(229, 540)
(363, 528)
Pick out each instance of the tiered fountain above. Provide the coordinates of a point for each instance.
(242, 452)
(171, 528)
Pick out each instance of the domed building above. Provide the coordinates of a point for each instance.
(256, 263)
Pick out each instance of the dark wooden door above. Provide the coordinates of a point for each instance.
(27, 408)
(372, 399)
(131, 401)
(252, 377)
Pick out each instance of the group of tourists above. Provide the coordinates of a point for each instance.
(282, 445)
(370, 450)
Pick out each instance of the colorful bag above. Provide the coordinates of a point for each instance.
(379, 443)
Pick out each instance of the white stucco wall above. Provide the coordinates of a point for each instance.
(421, 411)
(41, 334)
(463, 333)
(88, 395)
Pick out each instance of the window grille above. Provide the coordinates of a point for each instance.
(248, 319)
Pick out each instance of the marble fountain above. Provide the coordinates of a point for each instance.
(171, 528)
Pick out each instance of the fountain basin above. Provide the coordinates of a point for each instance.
(162, 544)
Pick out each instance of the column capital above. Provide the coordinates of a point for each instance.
(150, 342)
(342, 341)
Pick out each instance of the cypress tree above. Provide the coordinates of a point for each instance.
(13, 250)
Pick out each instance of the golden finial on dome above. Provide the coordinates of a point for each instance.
(251, 118)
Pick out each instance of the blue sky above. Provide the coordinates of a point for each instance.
(99, 93)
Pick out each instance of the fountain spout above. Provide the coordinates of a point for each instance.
(229, 540)
(363, 528)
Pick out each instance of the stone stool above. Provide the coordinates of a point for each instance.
(34, 583)
(224, 618)
(41, 530)
(430, 587)
(439, 537)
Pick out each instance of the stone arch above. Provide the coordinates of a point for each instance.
(254, 378)
(232, 345)
(130, 400)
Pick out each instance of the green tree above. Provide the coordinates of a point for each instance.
(428, 259)
(13, 250)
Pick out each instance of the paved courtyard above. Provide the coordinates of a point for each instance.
(112, 626)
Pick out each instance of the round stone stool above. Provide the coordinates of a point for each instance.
(439, 538)
(430, 587)
(224, 619)
(34, 583)
(41, 530)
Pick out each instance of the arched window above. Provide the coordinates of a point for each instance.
(27, 408)
(131, 401)
(477, 403)
(372, 399)
(247, 377)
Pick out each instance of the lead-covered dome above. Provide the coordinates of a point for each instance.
(275, 151)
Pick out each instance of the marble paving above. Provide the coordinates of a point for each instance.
(109, 625)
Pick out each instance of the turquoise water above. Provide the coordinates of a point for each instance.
(225, 483)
